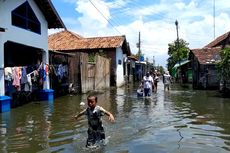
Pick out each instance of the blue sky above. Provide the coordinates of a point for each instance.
(155, 19)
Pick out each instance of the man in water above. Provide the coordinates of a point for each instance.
(147, 83)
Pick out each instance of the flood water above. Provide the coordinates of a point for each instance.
(181, 120)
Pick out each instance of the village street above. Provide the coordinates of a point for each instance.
(53, 54)
(181, 120)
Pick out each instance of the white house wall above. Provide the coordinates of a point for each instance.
(20, 35)
(120, 72)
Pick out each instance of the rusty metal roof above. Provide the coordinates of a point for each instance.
(50, 13)
(66, 40)
(218, 41)
(207, 55)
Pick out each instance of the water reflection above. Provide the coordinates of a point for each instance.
(179, 120)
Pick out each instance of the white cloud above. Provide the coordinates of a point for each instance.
(92, 17)
(118, 3)
(156, 22)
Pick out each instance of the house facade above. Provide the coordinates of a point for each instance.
(203, 66)
(115, 48)
(24, 35)
(204, 62)
(221, 41)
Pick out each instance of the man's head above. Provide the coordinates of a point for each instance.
(147, 74)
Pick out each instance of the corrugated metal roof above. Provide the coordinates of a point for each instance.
(178, 64)
(218, 40)
(207, 55)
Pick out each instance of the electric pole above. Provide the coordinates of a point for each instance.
(214, 20)
(139, 46)
(177, 48)
(176, 23)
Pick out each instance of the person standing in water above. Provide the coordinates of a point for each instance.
(166, 80)
(96, 133)
(147, 82)
(155, 80)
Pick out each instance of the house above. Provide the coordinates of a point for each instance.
(182, 70)
(24, 36)
(204, 61)
(131, 71)
(221, 41)
(114, 47)
(203, 67)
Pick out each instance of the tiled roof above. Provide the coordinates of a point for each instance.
(133, 58)
(62, 40)
(207, 55)
(218, 40)
(66, 40)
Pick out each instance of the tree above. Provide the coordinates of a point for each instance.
(223, 67)
(177, 51)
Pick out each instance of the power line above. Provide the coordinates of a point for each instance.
(104, 16)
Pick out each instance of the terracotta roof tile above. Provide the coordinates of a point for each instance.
(66, 40)
(218, 40)
(133, 58)
(207, 55)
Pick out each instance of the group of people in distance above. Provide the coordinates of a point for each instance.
(150, 81)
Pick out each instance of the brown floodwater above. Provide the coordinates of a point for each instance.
(180, 120)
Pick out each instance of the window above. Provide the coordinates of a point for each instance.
(24, 17)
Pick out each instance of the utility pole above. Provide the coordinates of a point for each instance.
(139, 46)
(214, 20)
(177, 47)
(176, 23)
(153, 61)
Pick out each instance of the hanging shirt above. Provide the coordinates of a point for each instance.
(8, 73)
(16, 76)
(24, 77)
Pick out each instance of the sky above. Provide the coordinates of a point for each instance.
(198, 23)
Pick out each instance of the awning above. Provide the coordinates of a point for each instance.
(183, 62)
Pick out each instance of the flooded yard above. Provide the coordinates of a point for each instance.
(179, 120)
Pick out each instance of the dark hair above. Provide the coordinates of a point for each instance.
(90, 96)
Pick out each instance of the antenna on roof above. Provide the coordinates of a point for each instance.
(214, 16)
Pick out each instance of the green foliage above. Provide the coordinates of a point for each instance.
(223, 66)
(160, 69)
(91, 56)
(177, 52)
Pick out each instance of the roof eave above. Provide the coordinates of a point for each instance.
(50, 13)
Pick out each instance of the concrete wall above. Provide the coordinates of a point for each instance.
(20, 35)
(120, 69)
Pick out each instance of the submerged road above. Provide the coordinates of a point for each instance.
(180, 120)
